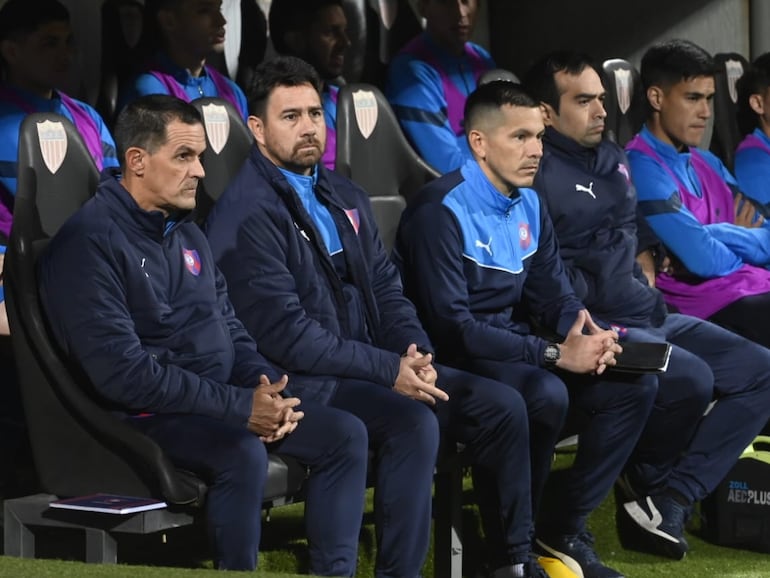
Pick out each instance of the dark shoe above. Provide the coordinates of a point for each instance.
(654, 524)
(577, 553)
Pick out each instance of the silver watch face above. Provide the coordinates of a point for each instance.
(552, 353)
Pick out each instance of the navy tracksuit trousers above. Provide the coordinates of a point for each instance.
(487, 416)
(233, 462)
(615, 407)
(681, 448)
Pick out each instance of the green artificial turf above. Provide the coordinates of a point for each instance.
(184, 552)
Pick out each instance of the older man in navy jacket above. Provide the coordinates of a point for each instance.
(133, 296)
(310, 279)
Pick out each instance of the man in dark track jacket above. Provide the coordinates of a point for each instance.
(682, 455)
(133, 296)
(310, 279)
(487, 247)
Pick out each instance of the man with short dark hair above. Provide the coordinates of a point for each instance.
(36, 55)
(482, 238)
(430, 78)
(310, 279)
(718, 245)
(178, 37)
(133, 296)
(316, 32)
(585, 183)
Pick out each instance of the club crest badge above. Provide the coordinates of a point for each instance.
(623, 170)
(387, 11)
(192, 261)
(734, 71)
(525, 238)
(365, 105)
(53, 144)
(354, 218)
(217, 126)
(624, 87)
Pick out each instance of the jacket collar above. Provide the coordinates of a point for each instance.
(484, 192)
(569, 147)
(154, 224)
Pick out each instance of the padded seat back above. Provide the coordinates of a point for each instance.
(228, 142)
(373, 151)
(727, 134)
(625, 100)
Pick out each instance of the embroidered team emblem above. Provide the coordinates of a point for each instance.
(734, 71)
(624, 86)
(53, 144)
(353, 217)
(192, 261)
(619, 329)
(524, 236)
(217, 126)
(623, 170)
(365, 105)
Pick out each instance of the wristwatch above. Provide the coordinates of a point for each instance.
(552, 354)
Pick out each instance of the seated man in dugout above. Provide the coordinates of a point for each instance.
(586, 186)
(317, 32)
(484, 239)
(133, 296)
(310, 279)
(178, 36)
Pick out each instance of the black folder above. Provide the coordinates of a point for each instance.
(640, 357)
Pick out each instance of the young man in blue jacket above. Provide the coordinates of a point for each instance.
(478, 256)
(430, 78)
(585, 183)
(719, 255)
(310, 279)
(179, 35)
(133, 296)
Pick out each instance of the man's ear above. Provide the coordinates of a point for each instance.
(548, 113)
(655, 97)
(9, 51)
(257, 128)
(477, 142)
(757, 103)
(135, 160)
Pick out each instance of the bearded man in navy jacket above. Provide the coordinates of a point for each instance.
(134, 297)
(585, 182)
(484, 241)
(310, 279)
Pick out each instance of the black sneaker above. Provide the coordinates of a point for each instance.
(577, 553)
(654, 524)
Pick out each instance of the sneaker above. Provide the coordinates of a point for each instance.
(654, 524)
(530, 569)
(577, 553)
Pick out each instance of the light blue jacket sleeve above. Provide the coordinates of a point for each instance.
(701, 252)
(752, 170)
(415, 91)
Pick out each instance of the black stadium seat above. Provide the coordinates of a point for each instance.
(228, 141)
(373, 152)
(727, 135)
(250, 50)
(625, 101)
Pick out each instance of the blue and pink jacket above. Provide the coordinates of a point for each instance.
(752, 169)
(687, 198)
(427, 88)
